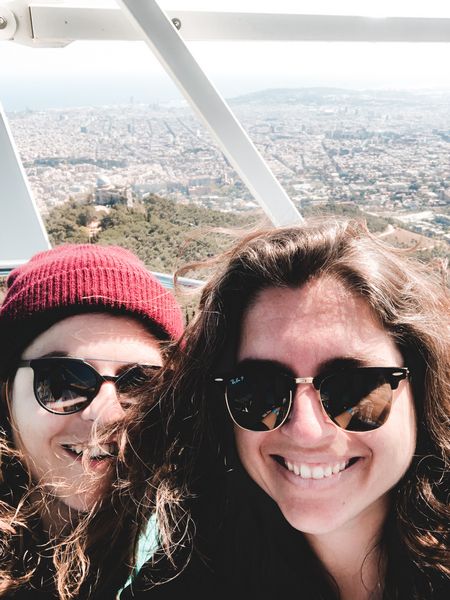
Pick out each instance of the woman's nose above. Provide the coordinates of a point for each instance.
(105, 407)
(307, 423)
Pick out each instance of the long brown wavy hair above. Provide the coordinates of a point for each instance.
(189, 439)
(88, 556)
(91, 554)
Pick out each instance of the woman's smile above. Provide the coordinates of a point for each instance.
(94, 453)
(317, 469)
(318, 476)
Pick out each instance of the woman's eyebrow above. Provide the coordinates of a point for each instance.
(126, 367)
(55, 353)
(338, 363)
(246, 362)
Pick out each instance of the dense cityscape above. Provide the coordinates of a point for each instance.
(387, 152)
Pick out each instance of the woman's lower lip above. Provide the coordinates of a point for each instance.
(99, 463)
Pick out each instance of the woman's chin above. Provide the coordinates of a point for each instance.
(80, 501)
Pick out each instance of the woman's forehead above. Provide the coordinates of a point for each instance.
(100, 330)
(324, 295)
(318, 321)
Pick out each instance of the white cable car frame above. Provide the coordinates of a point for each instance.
(46, 24)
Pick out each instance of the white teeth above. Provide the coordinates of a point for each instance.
(103, 451)
(305, 472)
(97, 452)
(77, 448)
(315, 472)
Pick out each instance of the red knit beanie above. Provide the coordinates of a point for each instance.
(78, 278)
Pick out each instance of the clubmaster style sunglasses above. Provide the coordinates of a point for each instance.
(259, 397)
(65, 385)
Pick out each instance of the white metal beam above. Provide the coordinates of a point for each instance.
(22, 229)
(68, 21)
(48, 24)
(16, 24)
(163, 39)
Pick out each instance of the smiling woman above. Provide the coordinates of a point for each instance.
(324, 329)
(310, 419)
(81, 327)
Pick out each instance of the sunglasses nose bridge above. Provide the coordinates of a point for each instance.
(105, 406)
(306, 421)
(100, 380)
(111, 378)
(299, 380)
(297, 392)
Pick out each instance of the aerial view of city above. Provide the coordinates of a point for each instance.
(224, 299)
(386, 152)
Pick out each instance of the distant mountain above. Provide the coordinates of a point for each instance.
(324, 95)
(284, 95)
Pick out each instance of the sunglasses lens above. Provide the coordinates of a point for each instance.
(359, 399)
(259, 401)
(130, 383)
(64, 386)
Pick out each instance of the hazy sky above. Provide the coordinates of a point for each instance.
(103, 72)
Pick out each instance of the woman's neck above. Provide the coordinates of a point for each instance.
(352, 556)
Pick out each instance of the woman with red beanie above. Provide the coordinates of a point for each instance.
(81, 327)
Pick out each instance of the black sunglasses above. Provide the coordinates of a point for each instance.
(259, 397)
(65, 385)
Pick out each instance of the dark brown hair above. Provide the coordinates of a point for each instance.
(191, 451)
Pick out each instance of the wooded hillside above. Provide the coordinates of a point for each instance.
(163, 233)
